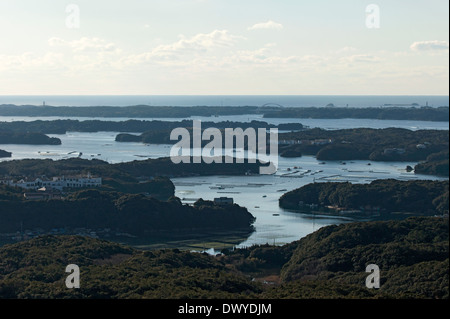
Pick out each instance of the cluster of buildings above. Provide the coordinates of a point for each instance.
(56, 183)
(306, 142)
(44, 188)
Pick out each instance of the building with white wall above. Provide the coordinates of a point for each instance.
(58, 183)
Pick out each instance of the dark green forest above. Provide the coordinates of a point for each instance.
(412, 255)
(391, 144)
(135, 214)
(131, 126)
(9, 137)
(435, 164)
(393, 197)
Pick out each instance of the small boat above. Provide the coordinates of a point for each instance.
(275, 214)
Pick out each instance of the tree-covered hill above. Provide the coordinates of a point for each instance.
(9, 137)
(435, 164)
(383, 197)
(390, 144)
(36, 269)
(130, 126)
(136, 214)
(412, 256)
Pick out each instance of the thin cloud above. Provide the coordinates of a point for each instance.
(271, 25)
(84, 44)
(362, 58)
(429, 45)
(186, 48)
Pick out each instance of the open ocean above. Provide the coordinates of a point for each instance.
(227, 100)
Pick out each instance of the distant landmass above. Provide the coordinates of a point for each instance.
(128, 172)
(8, 137)
(439, 114)
(134, 126)
(145, 111)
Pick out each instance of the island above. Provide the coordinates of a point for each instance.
(5, 154)
(435, 164)
(131, 126)
(124, 173)
(8, 137)
(381, 199)
(390, 144)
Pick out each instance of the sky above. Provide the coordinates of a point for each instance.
(224, 47)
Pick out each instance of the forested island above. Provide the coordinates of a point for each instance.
(5, 154)
(162, 136)
(381, 199)
(390, 144)
(9, 137)
(412, 255)
(435, 164)
(131, 126)
(145, 111)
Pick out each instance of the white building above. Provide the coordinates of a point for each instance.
(58, 183)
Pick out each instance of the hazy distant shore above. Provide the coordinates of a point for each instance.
(389, 112)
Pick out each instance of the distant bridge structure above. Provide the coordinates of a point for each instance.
(272, 105)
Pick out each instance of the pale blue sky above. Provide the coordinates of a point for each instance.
(224, 47)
